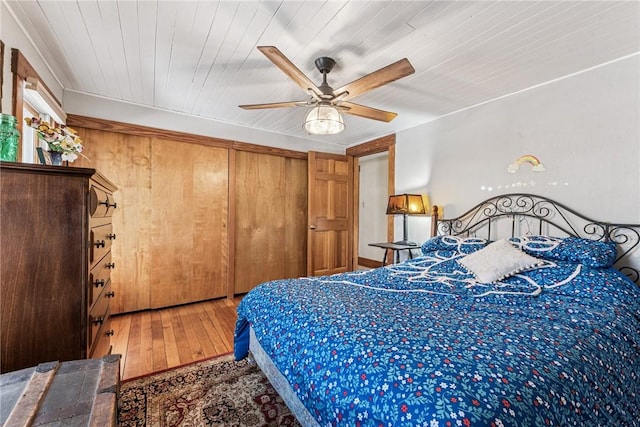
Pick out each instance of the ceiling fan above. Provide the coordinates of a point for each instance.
(325, 95)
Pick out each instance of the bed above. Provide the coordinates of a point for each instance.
(519, 312)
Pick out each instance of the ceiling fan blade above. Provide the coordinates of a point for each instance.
(367, 112)
(384, 75)
(273, 105)
(289, 69)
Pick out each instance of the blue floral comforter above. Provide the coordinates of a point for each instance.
(423, 343)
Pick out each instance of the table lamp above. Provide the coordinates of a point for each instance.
(405, 204)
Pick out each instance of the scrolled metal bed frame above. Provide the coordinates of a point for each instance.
(533, 214)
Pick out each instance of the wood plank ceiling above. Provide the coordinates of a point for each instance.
(199, 57)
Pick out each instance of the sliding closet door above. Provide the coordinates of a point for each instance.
(270, 219)
(188, 227)
(177, 242)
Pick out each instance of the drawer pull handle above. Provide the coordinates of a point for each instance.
(110, 265)
(99, 283)
(109, 205)
(109, 333)
(100, 243)
(110, 294)
(111, 236)
(99, 321)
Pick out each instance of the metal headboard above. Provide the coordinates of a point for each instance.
(510, 215)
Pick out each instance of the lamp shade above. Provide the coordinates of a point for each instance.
(405, 204)
(324, 120)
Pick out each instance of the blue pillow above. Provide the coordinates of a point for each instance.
(591, 253)
(463, 245)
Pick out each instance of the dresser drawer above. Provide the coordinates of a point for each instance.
(100, 239)
(98, 316)
(101, 203)
(99, 280)
(102, 343)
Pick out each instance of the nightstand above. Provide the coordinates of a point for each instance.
(395, 248)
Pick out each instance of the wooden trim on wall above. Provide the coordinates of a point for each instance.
(147, 131)
(17, 67)
(391, 188)
(17, 109)
(375, 146)
(356, 210)
(21, 69)
(369, 263)
(1, 72)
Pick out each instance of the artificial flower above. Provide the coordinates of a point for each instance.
(62, 139)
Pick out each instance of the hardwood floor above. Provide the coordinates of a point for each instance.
(154, 340)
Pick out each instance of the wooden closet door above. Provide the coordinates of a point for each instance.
(189, 249)
(270, 219)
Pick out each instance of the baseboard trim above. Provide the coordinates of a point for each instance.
(369, 263)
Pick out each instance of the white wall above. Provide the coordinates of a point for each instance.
(374, 173)
(109, 109)
(584, 128)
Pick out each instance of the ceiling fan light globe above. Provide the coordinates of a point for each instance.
(324, 120)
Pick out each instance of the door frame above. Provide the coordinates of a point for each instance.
(375, 146)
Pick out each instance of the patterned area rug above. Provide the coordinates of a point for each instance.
(216, 392)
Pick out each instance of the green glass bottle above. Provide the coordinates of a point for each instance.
(9, 136)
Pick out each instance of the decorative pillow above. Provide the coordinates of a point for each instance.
(591, 253)
(498, 261)
(464, 245)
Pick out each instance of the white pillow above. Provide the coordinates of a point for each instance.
(498, 261)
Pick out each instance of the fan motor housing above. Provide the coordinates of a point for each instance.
(325, 64)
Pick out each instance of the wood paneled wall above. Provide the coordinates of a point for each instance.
(173, 236)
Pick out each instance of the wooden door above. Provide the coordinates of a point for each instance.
(188, 229)
(270, 194)
(330, 216)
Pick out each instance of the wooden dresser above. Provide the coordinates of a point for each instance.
(55, 243)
